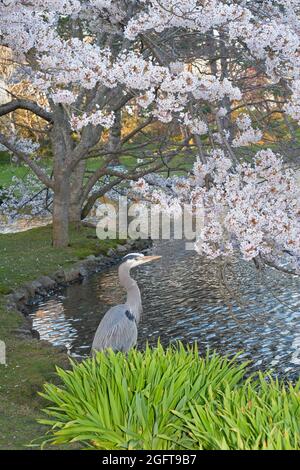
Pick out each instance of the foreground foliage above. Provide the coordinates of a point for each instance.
(170, 399)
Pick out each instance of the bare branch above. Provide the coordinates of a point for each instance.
(136, 130)
(28, 105)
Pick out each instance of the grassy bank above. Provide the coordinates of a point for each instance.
(24, 257)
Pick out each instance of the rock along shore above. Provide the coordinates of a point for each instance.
(22, 298)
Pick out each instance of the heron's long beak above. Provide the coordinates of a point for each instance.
(147, 259)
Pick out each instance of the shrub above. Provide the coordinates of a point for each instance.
(261, 416)
(169, 399)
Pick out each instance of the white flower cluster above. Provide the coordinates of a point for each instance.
(98, 118)
(166, 105)
(253, 208)
(164, 14)
(195, 125)
(62, 67)
(24, 198)
(212, 89)
(222, 112)
(63, 96)
(26, 146)
(247, 134)
(66, 66)
(146, 99)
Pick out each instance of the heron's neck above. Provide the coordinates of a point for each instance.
(133, 300)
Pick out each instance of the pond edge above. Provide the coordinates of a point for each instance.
(21, 299)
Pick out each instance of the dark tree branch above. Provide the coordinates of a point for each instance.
(132, 176)
(93, 197)
(28, 105)
(135, 131)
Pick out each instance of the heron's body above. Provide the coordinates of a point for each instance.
(118, 327)
(116, 330)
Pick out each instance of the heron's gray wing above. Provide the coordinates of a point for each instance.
(117, 330)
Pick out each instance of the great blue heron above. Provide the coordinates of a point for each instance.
(118, 327)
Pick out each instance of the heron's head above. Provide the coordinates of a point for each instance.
(135, 259)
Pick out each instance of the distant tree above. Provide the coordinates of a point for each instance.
(182, 63)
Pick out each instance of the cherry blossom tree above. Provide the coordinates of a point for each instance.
(185, 63)
(253, 210)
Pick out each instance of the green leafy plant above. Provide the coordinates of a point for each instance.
(170, 399)
(255, 416)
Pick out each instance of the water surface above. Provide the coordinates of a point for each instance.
(183, 299)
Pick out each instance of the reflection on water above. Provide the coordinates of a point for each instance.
(183, 299)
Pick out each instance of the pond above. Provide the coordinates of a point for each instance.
(183, 299)
(22, 224)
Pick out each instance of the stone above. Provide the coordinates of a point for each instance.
(127, 246)
(47, 282)
(20, 295)
(27, 322)
(61, 349)
(121, 248)
(83, 271)
(11, 303)
(24, 309)
(111, 252)
(72, 275)
(91, 258)
(59, 276)
(33, 288)
(143, 244)
(90, 265)
(35, 334)
(11, 307)
(23, 332)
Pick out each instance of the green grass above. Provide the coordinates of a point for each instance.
(26, 256)
(164, 399)
(9, 169)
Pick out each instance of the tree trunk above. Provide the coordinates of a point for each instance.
(62, 146)
(60, 236)
(115, 136)
(76, 188)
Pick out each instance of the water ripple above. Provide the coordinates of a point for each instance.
(183, 299)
